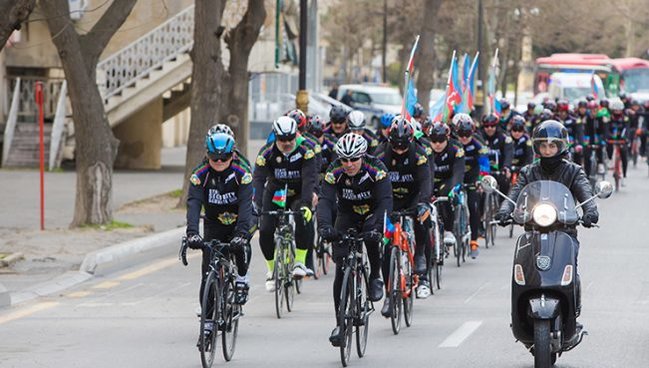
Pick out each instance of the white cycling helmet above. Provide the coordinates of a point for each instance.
(220, 128)
(351, 145)
(285, 127)
(616, 104)
(356, 120)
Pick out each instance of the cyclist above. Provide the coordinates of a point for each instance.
(418, 113)
(530, 115)
(356, 188)
(476, 164)
(356, 124)
(384, 127)
(500, 150)
(522, 144)
(506, 114)
(326, 141)
(575, 130)
(289, 163)
(449, 174)
(409, 172)
(337, 121)
(550, 142)
(618, 129)
(220, 185)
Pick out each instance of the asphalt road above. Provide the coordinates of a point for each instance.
(144, 317)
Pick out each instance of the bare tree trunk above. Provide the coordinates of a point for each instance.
(426, 58)
(96, 147)
(240, 41)
(12, 14)
(207, 72)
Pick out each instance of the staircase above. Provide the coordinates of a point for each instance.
(25, 145)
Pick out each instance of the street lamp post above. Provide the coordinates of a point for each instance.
(302, 97)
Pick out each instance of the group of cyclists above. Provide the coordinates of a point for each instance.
(339, 174)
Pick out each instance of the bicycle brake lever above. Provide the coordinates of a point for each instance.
(182, 254)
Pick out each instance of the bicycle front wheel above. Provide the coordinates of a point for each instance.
(230, 317)
(209, 316)
(279, 281)
(290, 285)
(345, 317)
(363, 310)
(395, 290)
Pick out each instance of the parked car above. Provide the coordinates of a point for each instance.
(373, 101)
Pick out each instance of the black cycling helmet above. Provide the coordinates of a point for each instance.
(550, 105)
(518, 123)
(337, 114)
(463, 124)
(316, 125)
(546, 115)
(582, 103)
(590, 98)
(623, 96)
(401, 133)
(551, 131)
(531, 105)
(490, 120)
(439, 132)
(504, 104)
(418, 111)
(603, 102)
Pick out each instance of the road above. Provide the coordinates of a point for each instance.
(144, 317)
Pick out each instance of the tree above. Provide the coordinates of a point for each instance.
(96, 146)
(217, 94)
(12, 14)
(426, 58)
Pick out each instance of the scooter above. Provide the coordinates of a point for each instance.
(546, 297)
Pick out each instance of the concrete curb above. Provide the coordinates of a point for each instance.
(129, 253)
(5, 296)
(56, 285)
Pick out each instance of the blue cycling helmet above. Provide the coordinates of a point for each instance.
(220, 146)
(386, 120)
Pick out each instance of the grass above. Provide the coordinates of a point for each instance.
(113, 225)
(176, 193)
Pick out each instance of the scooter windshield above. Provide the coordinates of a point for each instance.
(548, 192)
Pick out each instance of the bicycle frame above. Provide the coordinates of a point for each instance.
(402, 238)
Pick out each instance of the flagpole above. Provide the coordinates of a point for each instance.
(407, 75)
(492, 94)
(473, 64)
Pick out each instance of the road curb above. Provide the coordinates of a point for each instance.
(5, 296)
(132, 252)
(56, 285)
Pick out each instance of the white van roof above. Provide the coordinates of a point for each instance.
(573, 79)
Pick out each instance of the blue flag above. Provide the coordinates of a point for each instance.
(411, 98)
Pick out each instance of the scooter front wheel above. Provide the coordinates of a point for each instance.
(543, 355)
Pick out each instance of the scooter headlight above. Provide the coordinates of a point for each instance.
(544, 214)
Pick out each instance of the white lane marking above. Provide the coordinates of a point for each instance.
(476, 292)
(27, 311)
(458, 336)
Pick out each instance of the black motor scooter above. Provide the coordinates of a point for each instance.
(546, 298)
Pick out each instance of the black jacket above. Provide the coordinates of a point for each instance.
(568, 173)
(409, 174)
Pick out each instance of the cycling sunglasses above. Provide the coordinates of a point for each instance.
(347, 160)
(285, 138)
(464, 134)
(438, 139)
(520, 130)
(219, 156)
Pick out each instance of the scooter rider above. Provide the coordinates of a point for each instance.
(550, 142)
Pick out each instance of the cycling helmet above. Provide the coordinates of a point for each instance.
(616, 105)
(551, 131)
(401, 133)
(531, 105)
(220, 128)
(418, 111)
(582, 103)
(546, 115)
(386, 120)
(439, 132)
(426, 124)
(337, 114)
(317, 125)
(623, 96)
(518, 123)
(563, 105)
(220, 146)
(351, 145)
(592, 104)
(416, 125)
(550, 105)
(299, 117)
(590, 98)
(356, 120)
(504, 104)
(464, 125)
(285, 128)
(603, 102)
(490, 120)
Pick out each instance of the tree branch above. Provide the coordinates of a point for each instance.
(12, 14)
(247, 31)
(96, 40)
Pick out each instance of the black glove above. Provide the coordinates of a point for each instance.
(374, 236)
(238, 242)
(589, 219)
(194, 241)
(328, 233)
(502, 217)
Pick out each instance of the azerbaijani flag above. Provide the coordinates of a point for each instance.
(388, 229)
(405, 110)
(411, 99)
(453, 97)
(279, 197)
(437, 110)
(594, 87)
(491, 87)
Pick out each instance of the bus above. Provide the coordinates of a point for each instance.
(625, 74)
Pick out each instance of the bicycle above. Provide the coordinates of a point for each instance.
(635, 148)
(461, 228)
(322, 255)
(285, 285)
(489, 212)
(514, 179)
(437, 239)
(617, 161)
(355, 306)
(403, 280)
(219, 291)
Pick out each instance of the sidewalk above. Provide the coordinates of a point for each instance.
(138, 199)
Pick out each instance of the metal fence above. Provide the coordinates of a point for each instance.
(27, 109)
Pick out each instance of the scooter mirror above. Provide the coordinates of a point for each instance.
(603, 189)
(489, 183)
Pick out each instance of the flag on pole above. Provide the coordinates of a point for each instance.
(594, 87)
(411, 97)
(279, 198)
(453, 97)
(437, 110)
(491, 86)
(408, 77)
(466, 69)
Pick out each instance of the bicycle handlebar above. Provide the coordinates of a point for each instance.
(209, 245)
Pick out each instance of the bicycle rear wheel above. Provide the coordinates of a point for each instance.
(363, 310)
(207, 342)
(408, 302)
(486, 220)
(617, 173)
(395, 290)
(279, 280)
(345, 317)
(231, 313)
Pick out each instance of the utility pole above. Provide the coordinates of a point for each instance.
(302, 97)
(385, 41)
(482, 66)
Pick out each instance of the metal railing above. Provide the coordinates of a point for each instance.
(136, 60)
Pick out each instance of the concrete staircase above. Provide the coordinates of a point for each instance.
(25, 146)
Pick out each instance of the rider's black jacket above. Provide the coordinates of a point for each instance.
(409, 174)
(567, 173)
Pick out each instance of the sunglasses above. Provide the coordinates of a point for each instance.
(347, 160)
(287, 138)
(223, 157)
(438, 139)
(490, 126)
(519, 130)
(338, 122)
(464, 134)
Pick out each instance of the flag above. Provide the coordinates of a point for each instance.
(436, 110)
(594, 87)
(491, 86)
(279, 198)
(408, 77)
(453, 97)
(388, 229)
(411, 99)
(466, 69)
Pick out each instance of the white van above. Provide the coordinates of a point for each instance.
(572, 86)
